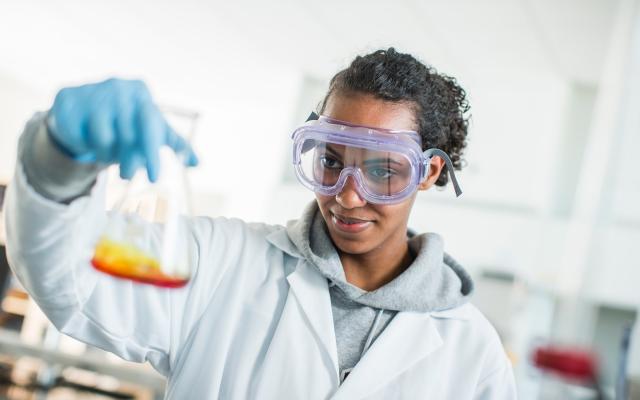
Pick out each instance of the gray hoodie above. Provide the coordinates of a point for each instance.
(433, 282)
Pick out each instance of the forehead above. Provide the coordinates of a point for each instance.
(347, 152)
(366, 110)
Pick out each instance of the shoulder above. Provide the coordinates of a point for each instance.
(231, 243)
(467, 329)
(235, 253)
(222, 229)
(467, 320)
(467, 317)
(495, 377)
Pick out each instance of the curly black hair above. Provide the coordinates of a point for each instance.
(441, 105)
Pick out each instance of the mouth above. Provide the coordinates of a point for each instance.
(349, 224)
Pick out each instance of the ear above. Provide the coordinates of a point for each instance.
(435, 168)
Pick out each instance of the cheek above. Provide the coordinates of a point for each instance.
(324, 203)
(323, 200)
(395, 214)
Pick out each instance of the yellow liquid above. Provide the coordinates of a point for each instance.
(127, 261)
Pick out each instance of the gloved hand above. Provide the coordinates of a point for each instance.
(114, 121)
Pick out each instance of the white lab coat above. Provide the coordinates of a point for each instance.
(254, 323)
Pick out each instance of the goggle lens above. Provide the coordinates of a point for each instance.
(384, 173)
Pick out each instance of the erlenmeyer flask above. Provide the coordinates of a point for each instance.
(147, 238)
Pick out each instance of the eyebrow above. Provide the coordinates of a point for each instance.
(366, 162)
(330, 150)
(382, 161)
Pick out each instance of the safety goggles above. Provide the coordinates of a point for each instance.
(386, 165)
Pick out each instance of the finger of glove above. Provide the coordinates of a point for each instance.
(192, 158)
(181, 148)
(101, 136)
(130, 162)
(70, 126)
(125, 125)
(151, 128)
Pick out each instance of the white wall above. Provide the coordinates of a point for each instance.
(18, 101)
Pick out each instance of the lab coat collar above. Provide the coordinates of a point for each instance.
(280, 239)
(311, 291)
(462, 313)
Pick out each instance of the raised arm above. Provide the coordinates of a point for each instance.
(55, 212)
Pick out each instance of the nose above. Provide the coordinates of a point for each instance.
(349, 197)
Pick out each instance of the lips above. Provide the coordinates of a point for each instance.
(349, 220)
(349, 224)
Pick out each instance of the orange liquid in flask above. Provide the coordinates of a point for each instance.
(126, 261)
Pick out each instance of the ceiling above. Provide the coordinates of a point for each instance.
(49, 43)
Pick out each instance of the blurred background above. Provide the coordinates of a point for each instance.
(546, 225)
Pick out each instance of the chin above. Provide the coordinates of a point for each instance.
(352, 245)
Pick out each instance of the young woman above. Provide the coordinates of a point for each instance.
(340, 304)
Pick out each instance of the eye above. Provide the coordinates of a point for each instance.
(330, 162)
(381, 173)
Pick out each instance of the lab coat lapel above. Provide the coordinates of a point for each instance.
(311, 293)
(409, 337)
(301, 361)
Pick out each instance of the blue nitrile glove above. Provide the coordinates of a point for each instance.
(114, 121)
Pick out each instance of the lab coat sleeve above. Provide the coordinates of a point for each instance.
(49, 246)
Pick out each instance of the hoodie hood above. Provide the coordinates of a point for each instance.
(433, 282)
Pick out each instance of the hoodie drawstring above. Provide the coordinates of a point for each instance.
(374, 328)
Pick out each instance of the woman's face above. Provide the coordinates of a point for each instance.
(355, 226)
